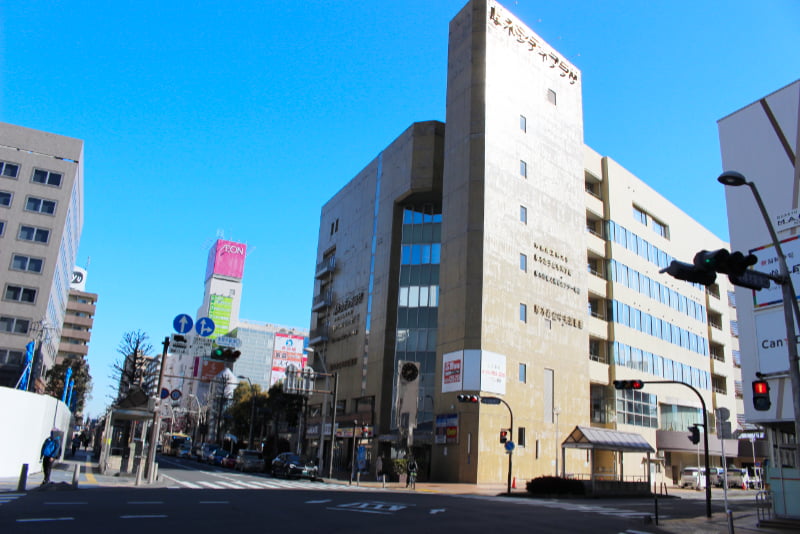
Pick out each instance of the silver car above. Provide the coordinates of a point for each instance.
(249, 460)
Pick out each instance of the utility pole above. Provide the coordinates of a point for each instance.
(156, 426)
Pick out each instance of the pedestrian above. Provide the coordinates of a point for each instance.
(51, 449)
(86, 440)
(76, 443)
(411, 471)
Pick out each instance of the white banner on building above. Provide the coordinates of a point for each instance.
(773, 352)
(768, 263)
(474, 370)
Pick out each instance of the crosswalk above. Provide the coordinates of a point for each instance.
(238, 484)
(9, 497)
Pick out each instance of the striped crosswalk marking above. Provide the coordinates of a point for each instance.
(209, 484)
(9, 497)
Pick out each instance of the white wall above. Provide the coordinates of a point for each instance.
(26, 420)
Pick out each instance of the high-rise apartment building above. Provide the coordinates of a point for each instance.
(78, 319)
(41, 218)
(456, 263)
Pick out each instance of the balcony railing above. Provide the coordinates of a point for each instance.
(318, 335)
(322, 301)
(326, 266)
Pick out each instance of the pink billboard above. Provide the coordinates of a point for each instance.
(226, 258)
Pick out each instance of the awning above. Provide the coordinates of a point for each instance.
(585, 437)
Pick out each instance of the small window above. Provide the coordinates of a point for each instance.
(523, 169)
(523, 313)
(14, 325)
(523, 123)
(551, 96)
(659, 228)
(5, 198)
(9, 170)
(523, 214)
(521, 436)
(523, 262)
(47, 177)
(2, 227)
(40, 205)
(20, 294)
(26, 263)
(523, 373)
(31, 233)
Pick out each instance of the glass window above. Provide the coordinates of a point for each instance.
(523, 262)
(8, 170)
(523, 313)
(639, 215)
(40, 205)
(5, 198)
(523, 169)
(436, 253)
(523, 123)
(523, 373)
(14, 325)
(20, 294)
(25, 263)
(29, 233)
(523, 214)
(47, 178)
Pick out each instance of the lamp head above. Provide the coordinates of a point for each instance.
(732, 178)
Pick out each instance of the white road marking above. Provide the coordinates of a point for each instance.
(209, 485)
(438, 510)
(150, 516)
(228, 485)
(323, 501)
(65, 503)
(213, 502)
(145, 502)
(35, 519)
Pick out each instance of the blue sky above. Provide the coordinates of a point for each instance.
(243, 118)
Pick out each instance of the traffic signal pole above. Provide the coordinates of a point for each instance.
(705, 436)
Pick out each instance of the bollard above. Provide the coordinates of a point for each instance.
(23, 477)
(730, 521)
(383, 481)
(358, 478)
(76, 475)
(655, 495)
(139, 473)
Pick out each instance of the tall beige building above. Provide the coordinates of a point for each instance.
(41, 217)
(455, 264)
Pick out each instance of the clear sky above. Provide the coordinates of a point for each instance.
(243, 118)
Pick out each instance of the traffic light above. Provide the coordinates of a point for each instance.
(690, 273)
(722, 261)
(628, 384)
(225, 354)
(761, 400)
(474, 399)
(503, 435)
(694, 434)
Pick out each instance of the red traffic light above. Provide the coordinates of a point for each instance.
(628, 384)
(761, 400)
(474, 399)
(503, 436)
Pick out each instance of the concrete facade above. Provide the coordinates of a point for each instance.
(41, 218)
(463, 248)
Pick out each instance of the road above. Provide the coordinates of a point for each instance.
(205, 499)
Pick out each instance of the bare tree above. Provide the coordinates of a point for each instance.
(135, 370)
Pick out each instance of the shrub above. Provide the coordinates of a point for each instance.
(555, 486)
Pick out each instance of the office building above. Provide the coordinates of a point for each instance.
(455, 263)
(761, 142)
(41, 218)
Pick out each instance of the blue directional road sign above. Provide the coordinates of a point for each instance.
(509, 446)
(204, 327)
(182, 323)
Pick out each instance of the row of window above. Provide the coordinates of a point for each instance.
(657, 291)
(638, 408)
(29, 233)
(647, 362)
(34, 204)
(418, 297)
(420, 254)
(644, 322)
(20, 262)
(40, 176)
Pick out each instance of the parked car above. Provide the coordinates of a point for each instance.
(207, 453)
(219, 456)
(248, 460)
(289, 464)
(228, 461)
(693, 477)
(717, 476)
(737, 477)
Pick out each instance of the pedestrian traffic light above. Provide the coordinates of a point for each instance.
(761, 401)
(503, 435)
(474, 399)
(694, 434)
(628, 384)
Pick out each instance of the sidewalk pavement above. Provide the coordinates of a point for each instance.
(744, 521)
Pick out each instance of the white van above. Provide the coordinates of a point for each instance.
(693, 477)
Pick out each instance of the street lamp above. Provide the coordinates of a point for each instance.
(736, 179)
(556, 412)
(252, 410)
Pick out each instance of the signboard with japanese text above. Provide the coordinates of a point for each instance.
(288, 351)
(219, 311)
(226, 259)
(768, 263)
(446, 430)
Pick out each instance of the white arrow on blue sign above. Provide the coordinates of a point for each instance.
(182, 323)
(204, 327)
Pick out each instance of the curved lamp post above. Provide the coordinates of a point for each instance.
(736, 179)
